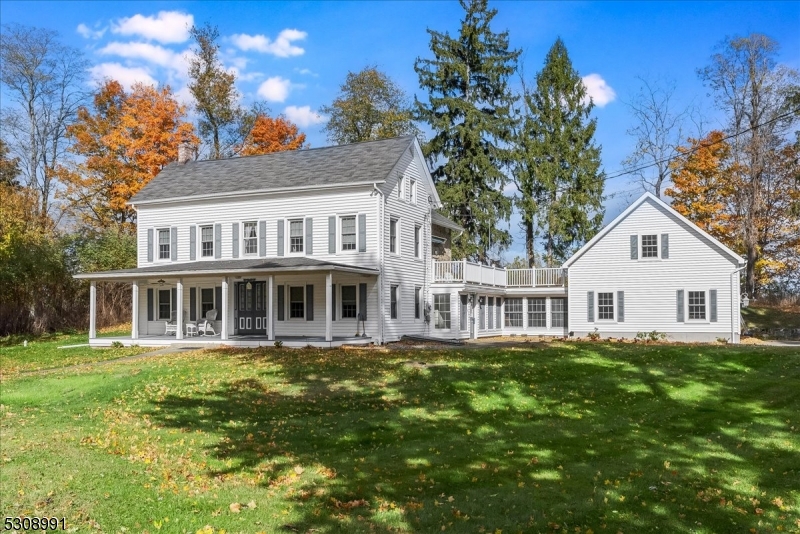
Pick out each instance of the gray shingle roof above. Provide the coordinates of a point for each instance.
(227, 266)
(440, 220)
(370, 161)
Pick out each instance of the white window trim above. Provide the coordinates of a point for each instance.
(288, 236)
(526, 318)
(199, 243)
(641, 247)
(199, 310)
(412, 191)
(401, 188)
(398, 302)
(338, 310)
(398, 234)
(418, 301)
(157, 252)
(417, 244)
(433, 311)
(288, 304)
(158, 304)
(340, 236)
(597, 318)
(686, 319)
(242, 253)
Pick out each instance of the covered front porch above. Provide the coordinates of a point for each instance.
(296, 302)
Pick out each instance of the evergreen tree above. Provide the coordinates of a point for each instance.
(469, 111)
(558, 165)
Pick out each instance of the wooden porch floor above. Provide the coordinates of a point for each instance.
(232, 341)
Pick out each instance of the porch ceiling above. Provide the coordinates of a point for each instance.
(228, 267)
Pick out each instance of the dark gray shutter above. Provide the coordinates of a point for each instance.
(218, 301)
(309, 236)
(333, 302)
(590, 306)
(712, 304)
(174, 299)
(634, 247)
(150, 245)
(192, 304)
(235, 239)
(332, 235)
(150, 303)
(217, 241)
(464, 312)
(362, 300)
(679, 301)
(664, 246)
(309, 302)
(620, 306)
(281, 248)
(173, 243)
(262, 238)
(281, 303)
(192, 242)
(362, 232)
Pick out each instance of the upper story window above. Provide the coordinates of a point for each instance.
(163, 244)
(207, 241)
(417, 241)
(650, 246)
(250, 238)
(413, 191)
(605, 306)
(296, 236)
(401, 188)
(393, 244)
(348, 233)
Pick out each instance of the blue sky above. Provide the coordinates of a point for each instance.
(295, 55)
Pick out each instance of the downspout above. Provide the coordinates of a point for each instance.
(381, 229)
(734, 305)
(427, 258)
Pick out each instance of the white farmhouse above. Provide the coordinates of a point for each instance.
(343, 245)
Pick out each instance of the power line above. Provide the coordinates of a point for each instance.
(618, 174)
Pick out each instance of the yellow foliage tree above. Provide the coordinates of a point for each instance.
(123, 143)
(272, 135)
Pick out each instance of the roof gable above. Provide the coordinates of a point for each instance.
(367, 162)
(647, 196)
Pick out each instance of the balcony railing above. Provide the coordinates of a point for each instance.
(475, 273)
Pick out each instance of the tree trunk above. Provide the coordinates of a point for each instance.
(529, 242)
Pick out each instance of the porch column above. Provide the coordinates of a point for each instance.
(270, 317)
(92, 310)
(224, 331)
(328, 305)
(179, 314)
(135, 310)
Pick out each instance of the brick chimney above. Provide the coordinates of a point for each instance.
(185, 152)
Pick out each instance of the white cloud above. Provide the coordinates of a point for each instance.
(151, 53)
(166, 27)
(282, 46)
(275, 89)
(127, 76)
(303, 116)
(87, 33)
(600, 92)
(306, 72)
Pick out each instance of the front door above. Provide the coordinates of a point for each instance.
(251, 314)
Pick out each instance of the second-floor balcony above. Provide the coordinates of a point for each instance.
(475, 273)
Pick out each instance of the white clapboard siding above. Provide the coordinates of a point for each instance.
(270, 208)
(650, 285)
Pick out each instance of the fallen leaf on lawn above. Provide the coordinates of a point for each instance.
(251, 504)
(235, 507)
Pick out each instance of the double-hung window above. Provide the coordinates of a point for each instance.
(393, 245)
(650, 246)
(206, 300)
(401, 188)
(537, 312)
(417, 302)
(206, 241)
(558, 312)
(349, 302)
(605, 306)
(348, 233)
(250, 238)
(164, 304)
(297, 305)
(417, 241)
(513, 312)
(163, 244)
(413, 191)
(441, 309)
(393, 301)
(697, 305)
(296, 236)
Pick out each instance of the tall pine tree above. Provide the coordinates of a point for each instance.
(469, 111)
(557, 167)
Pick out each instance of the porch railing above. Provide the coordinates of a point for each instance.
(475, 273)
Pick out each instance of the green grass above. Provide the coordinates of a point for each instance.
(42, 352)
(770, 318)
(558, 437)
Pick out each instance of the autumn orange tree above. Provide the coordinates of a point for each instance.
(272, 135)
(123, 142)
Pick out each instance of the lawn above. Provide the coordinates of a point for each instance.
(574, 437)
(771, 318)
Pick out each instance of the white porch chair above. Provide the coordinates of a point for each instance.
(205, 326)
(171, 326)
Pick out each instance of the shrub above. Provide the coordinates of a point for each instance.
(278, 343)
(594, 336)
